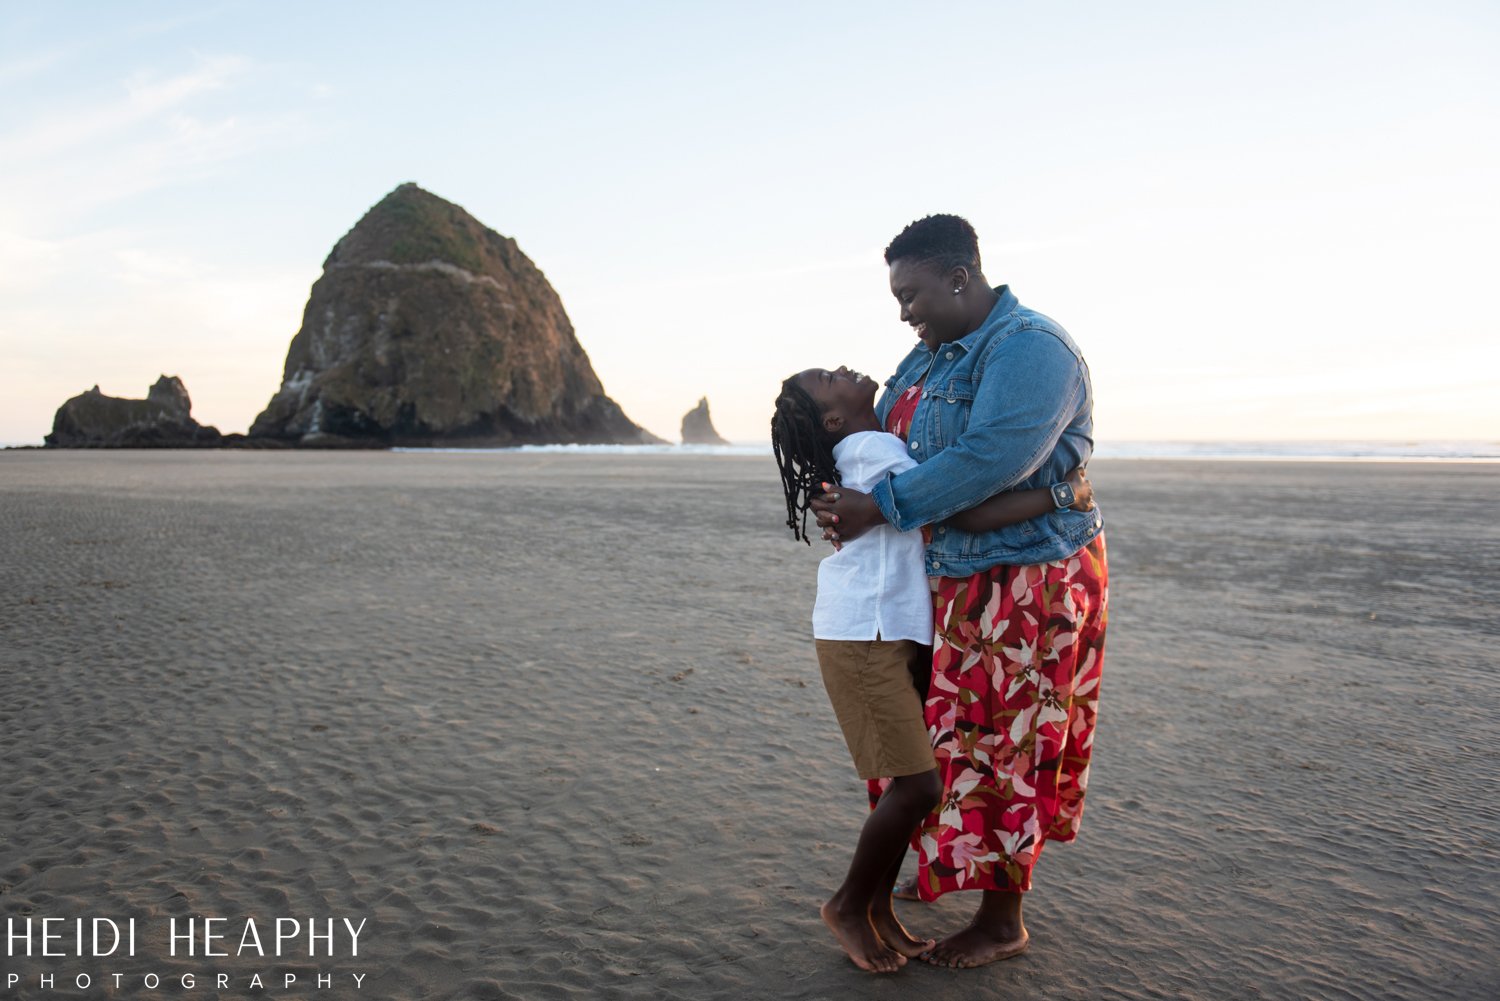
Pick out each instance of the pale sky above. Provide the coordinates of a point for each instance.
(1270, 220)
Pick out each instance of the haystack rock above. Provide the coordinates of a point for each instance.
(698, 427)
(162, 420)
(428, 328)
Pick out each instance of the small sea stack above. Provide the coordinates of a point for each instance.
(698, 426)
(162, 420)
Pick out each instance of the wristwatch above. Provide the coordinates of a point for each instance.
(1062, 495)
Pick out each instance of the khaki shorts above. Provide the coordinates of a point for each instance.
(874, 694)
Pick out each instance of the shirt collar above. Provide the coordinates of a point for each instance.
(847, 442)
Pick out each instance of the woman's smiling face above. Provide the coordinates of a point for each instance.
(927, 299)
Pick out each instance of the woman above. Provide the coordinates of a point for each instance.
(995, 397)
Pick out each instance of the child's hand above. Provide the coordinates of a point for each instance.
(844, 514)
(830, 534)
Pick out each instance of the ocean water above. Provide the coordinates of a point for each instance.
(1305, 451)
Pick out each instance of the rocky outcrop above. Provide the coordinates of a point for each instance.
(698, 427)
(162, 420)
(428, 328)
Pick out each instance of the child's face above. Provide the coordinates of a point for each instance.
(841, 394)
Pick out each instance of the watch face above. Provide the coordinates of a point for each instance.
(1062, 495)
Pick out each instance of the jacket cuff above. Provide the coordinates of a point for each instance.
(885, 499)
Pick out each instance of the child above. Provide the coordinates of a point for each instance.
(872, 625)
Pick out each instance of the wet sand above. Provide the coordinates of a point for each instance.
(553, 726)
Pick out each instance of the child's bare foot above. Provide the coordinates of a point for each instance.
(894, 934)
(906, 890)
(975, 946)
(857, 935)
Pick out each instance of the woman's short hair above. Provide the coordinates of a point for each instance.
(945, 241)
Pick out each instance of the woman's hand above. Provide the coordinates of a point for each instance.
(1083, 490)
(844, 514)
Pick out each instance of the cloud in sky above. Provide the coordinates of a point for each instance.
(143, 98)
(21, 68)
(146, 132)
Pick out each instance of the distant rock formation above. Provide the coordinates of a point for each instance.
(428, 328)
(161, 420)
(698, 427)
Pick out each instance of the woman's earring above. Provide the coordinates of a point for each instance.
(958, 290)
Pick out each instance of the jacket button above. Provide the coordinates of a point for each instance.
(916, 445)
(949, 356)
(952, 400)
(942, 530)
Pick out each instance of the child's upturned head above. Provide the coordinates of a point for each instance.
(815, 411)
(845, 399)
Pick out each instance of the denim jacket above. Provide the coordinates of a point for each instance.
(1007, 406)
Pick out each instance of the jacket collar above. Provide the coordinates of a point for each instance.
(1004, 306)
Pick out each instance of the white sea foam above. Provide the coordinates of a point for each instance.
(761, 449)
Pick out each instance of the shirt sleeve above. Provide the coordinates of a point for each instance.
(878, 455)
(1028, 396)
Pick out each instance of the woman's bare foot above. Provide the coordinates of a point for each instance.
(975, 946)
(906, 890)
(894, 934)
(857, 935)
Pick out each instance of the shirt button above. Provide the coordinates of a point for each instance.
(949, 355)
(916, 445)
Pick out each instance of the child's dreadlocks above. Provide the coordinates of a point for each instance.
(804, 452)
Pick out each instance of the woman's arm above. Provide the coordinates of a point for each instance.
(1015, 506)
(1032, 388)
(849, 513)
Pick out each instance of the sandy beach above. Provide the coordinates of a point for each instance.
(552, 726)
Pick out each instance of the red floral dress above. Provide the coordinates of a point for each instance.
(1016, 661)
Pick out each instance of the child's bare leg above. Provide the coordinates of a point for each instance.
(882, 840)
(921, 679)
(883, 916)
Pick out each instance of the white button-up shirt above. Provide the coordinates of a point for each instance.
(876, 586)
